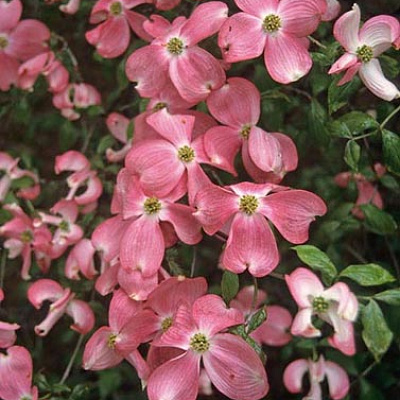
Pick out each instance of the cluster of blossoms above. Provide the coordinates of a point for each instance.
(179, 338)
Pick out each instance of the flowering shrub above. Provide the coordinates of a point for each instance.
(208, 223)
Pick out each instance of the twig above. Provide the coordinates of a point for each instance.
(193, 266)
(3, 266)
(318, 43)
(277, 276)
(394, 258)
(356, 254)
(389, 117)
(365, 372)
(72, 360)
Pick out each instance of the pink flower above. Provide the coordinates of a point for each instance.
(63, 301)
(267, 156)
(367, 191)
(19, 41)
(274, 331)
(338, 381)
(174, 55)
(242, 210)
(277, 28)
(16, 375)
(363, 46)
(74, 97)
(119, 125)
(337, 305)
(332, 10)
(71, 7)
(231, 364)
(10, 170)
(81, 259)
(112, 36)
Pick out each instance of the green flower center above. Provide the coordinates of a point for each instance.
(159, 106)
(199, 343)
(365, 53)
(26, 236)
(271, 23)
(245, 132)
(152, 205)
(116, 8)
(320, 305)
(166, 324)
(186, 154)
(248, 204)
(112, 340)
(175, 46)
(3, 42)
(64, 226)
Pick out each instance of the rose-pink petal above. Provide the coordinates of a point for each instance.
(82, 315)
(10, 13)
(338, 380)
(293, 375)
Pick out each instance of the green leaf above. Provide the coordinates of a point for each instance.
(391, 296)
(109, 382)
(106, 142)
(367, 274)
(376, 334)
(229, 286)
(377, 220)
(256, 320)
(338, 96)
(358, 122)
(391, 151)
(318, 261)
(317, 121)
(352, 154)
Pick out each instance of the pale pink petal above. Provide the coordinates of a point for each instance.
(7, 334)
(332, 10)
(372, 76)
(82, 315)
(177, 379)
(304, 286)
(196, 73)
(338, 380)
(292, 212)
(10, 13)
(71, 161)
(379, 33)
(286, 58)
(81, 259)
(92, 193)
(340, 293)
(205, 20)
(9, 71)
(157, 164)
(241, 37)
(107, 281)
(301, 18)
(148, 68)
(142, 246)
(15, 374)
(346, 29)
(251, 244)
(212, 315)
(42, 290)
(346, 61)
(156, 25)
(258, 8)
(137, 286)
(293, 375)
(343, 338)
(186, 226)
(350, 73)
(175, 128)
(235, 368)
(28, 39)
(71, 7)
(136, 21)
(235, 104)
(118, 126)
(302, 324)
(98, 354)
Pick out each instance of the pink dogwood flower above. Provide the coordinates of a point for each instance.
(332, 10)
(16, 375)
(71, 7)
(337, 306)
(279, 28)
(118, 125)
(81, 259)
(338, 380)
(19, 41)
(10, 170)
(174, 55)
(363, 46)
(231, 364)
(112, 36)
(7, 330)
(62, 301)
(267, 156)
(244, 210)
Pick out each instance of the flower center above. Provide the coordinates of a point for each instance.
(271, 23)
(159, 106)
(365, 53)
(320, 305)
(248, 204)
(166, 324)
(152, 205)
(186, 154)
(26, 236)
(245, 132)
(64, 226)
(175, 46)
(3, 42)
(112, 340)
(199, 343)
(116, 8)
